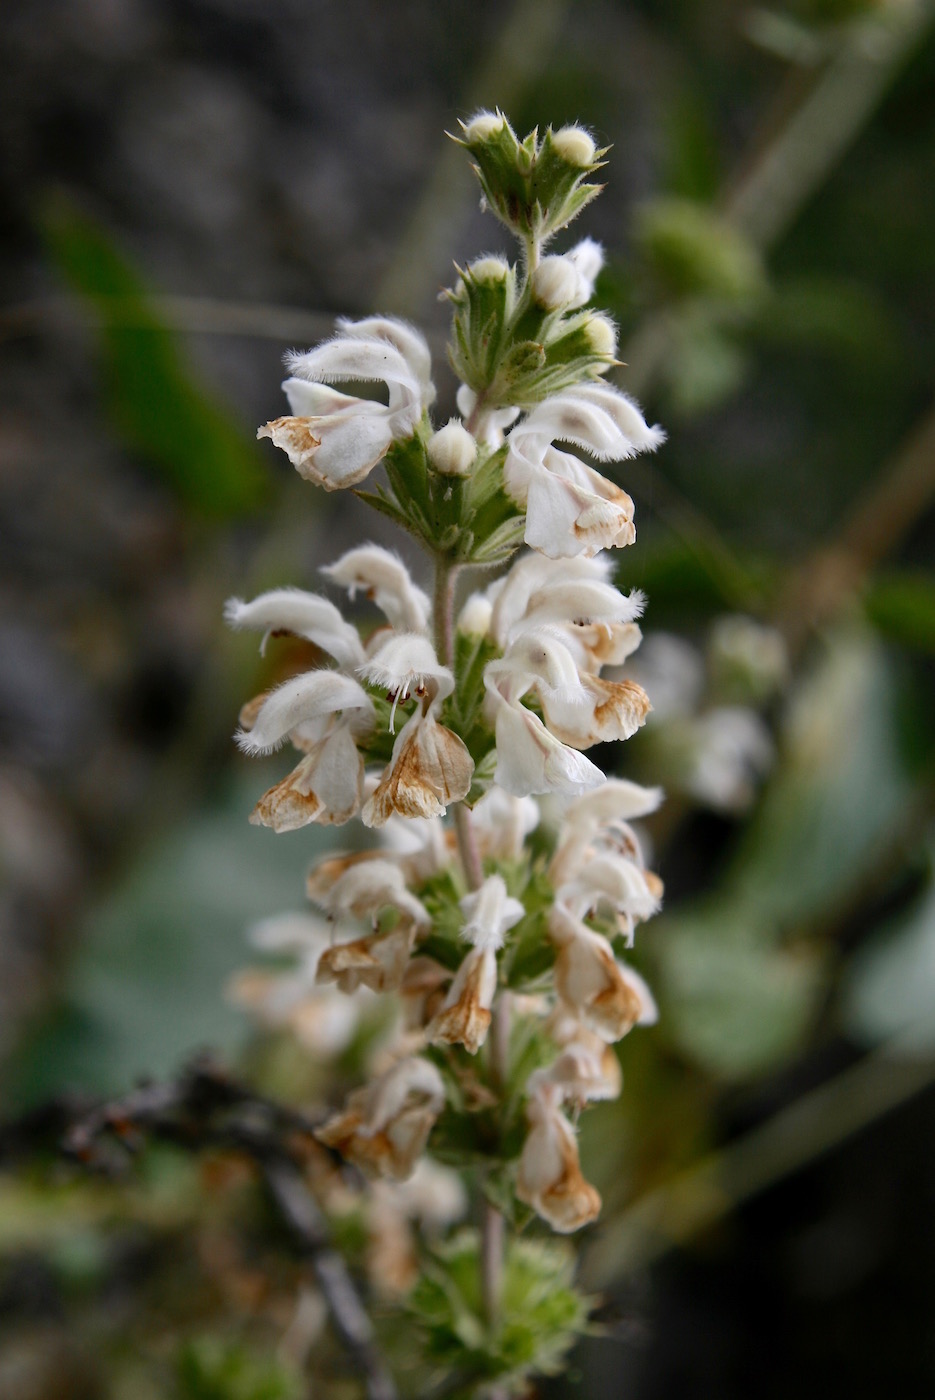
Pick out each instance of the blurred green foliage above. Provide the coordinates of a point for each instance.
(153, 395)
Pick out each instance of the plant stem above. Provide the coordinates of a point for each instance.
(493, 1226)
(444, 608)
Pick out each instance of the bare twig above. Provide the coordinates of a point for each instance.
(309, 1233)
(204, 1107)
(882, 516)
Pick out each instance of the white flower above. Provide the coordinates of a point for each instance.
(489, 913)
(364, 889)
(378, 961)
(530, 759)
(571, 509)
(587, 1069)
(573, 596)
(385, 1125)
(549, 1177)
(502, 823)
(730, 750)
(335, 439)
(601, 820)
(606, 997)
(307, 699)
(382, 576)
(326, 787)
(303, 615)
(606, 878)
(464, 1016)
(580, 709)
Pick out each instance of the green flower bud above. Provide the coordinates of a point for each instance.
(602, 335)
(575, 145)
(482, 126)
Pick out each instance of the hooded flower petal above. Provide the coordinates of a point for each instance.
(313, 695)
(382, 576)
(549, 1177)
(303, 615)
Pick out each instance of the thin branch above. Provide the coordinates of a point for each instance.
(204, 1107)
(884, 513)
(309, 1233)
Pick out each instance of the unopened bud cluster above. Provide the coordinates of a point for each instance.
(503, 943)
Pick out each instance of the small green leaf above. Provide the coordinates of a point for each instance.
(153, 395)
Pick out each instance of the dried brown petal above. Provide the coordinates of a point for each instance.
(430, 768)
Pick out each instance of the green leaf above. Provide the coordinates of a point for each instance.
(146, 988)
(153, 395)
(540, 1315)
(902, 607)
(216, 1368)
(888, 991)
(841, 784)
(732, 1007)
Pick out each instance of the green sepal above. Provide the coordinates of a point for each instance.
(530, 185)
(540, 1315)
(484, 308)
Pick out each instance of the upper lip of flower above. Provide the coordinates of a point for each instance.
(406, 665)
(308, 696)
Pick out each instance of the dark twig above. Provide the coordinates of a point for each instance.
(309, 1233)
(204, 1107)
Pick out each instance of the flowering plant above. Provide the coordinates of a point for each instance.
(498, 923)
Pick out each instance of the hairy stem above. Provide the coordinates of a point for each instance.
(493, 1226)
(446, 575)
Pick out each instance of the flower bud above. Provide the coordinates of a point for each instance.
(452, 449)
(555, 283)
(482, 126)
(490, 269)
(474, 617)
(574, 145)
(602, 335)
